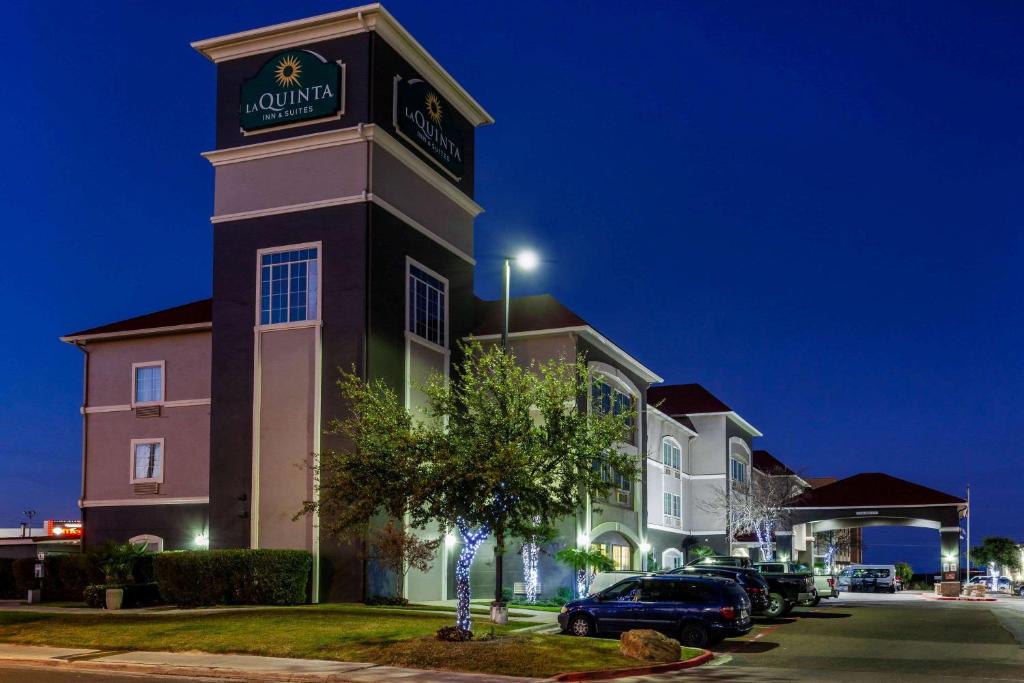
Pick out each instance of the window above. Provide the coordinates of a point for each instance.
(606, 398)
(154, 544)
(738, 471)
(147, 460)
(620, 555)
(288, 286)
(426, 303)
(671, 454)
(620, 485)
(147, 383)
(673, 507)
(624, 590)
(671, 559)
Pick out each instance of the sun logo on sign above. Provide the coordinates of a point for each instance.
(434, 110)
(288, 71)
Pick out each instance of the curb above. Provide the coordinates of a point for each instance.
(160, 670)
(608, 674)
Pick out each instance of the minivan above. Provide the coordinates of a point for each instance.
(750, 580)
(696, 610)
(867, 578)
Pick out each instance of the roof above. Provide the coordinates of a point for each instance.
(198, 314)
(685, 399)
(371, 17)
(768, 464)
(873, 489)
(525, 314)
(544, 314)
(818, 482)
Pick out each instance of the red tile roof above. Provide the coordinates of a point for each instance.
(685, 399)
(873, 489)
(769, 464)
(525, 314)
(195, 313)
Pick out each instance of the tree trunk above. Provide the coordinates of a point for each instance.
(530, 560)
(471, 541)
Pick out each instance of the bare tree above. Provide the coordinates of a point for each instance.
(760, 507)
(836, 543)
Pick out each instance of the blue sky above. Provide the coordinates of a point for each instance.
(811, 208)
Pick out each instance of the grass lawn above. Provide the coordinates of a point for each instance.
(340, 632)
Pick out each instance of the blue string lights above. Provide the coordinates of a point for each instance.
(531, 558)
(471, 541)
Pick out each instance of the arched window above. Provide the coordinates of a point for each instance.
(154, 544)
(672, 455)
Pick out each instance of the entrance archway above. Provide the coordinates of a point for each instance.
(878, 499)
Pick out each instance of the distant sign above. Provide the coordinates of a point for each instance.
(292, 86)
(867, 512)
(427, 120)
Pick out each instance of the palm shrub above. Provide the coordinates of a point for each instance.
(586, 563)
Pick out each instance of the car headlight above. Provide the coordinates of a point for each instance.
(563, 610)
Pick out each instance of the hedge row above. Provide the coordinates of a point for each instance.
(64, 576)
(233, 577)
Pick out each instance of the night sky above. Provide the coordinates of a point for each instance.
(813, 209)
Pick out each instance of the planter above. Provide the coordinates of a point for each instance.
(499, 613)
(115, 597)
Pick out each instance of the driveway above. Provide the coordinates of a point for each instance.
(873, 639)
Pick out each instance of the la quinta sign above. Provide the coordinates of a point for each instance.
(292, 86)
(425, 119)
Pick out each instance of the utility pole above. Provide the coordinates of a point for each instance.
(968, 533)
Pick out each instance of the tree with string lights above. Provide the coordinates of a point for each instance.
(505, 450)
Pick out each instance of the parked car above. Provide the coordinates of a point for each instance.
(720, 561)
(697, 610)
(610, 578)
(996, 584)
(868, 578)
(824, 585)
(750, 580)
(787, 589)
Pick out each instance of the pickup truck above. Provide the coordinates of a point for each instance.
(786, 588)
(824, 584)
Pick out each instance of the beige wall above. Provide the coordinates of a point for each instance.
(289, 179)
(286, 424)
(186, 372)
(111, 424)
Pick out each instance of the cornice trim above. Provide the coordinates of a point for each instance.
(347, 22)
(172, 329)
(126, 502)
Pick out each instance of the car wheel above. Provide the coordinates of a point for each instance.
(694, 635)
(776, 606)
(580, 625)
(813, 603)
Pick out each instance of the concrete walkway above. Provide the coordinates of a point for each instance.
(232, 667)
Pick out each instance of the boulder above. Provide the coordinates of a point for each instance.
(649, 646)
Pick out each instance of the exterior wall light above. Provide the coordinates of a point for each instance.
(645, 547)
(450, 540)
(202, 540)
(583, 540)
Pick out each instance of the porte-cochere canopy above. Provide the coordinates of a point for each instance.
(879, 499)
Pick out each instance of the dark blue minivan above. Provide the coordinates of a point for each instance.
(696, 610)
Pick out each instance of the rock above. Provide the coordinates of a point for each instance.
(649, 646)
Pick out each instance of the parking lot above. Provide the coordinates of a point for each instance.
(876, 638)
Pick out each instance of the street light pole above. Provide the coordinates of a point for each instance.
(505, 303)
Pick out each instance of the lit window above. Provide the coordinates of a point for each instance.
(288, 286)
(426, 306)
(149, 383)
(154, 544)
(147, 460)
(620, 555)
(671, 454)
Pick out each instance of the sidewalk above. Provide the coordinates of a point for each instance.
(233, 667)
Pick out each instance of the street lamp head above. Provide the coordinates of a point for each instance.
(527, 259)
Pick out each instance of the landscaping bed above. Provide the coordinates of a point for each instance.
(338, 632)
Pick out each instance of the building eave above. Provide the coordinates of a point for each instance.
(126, 334)
(363, 19)
(652, 409)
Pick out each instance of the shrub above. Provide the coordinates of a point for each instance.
(233, 577)
(563, 595)
(454, 634)
(23, 570)
(64, 576)
(388, 600)
(7, 585)
(135, 594)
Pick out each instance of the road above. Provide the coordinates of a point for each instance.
(17, 674)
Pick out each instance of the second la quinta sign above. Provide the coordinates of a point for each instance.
(293, 86)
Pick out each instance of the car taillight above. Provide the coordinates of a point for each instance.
(754, 589)
(831, 582)
(729, 612)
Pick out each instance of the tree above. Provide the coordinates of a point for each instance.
(759, 508)
(702, 551)
(398, 550)
(1001, 551)
(586, 563)
(502, 446)
(905, 572)
(836, 542)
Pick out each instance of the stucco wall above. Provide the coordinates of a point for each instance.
(186, 370)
